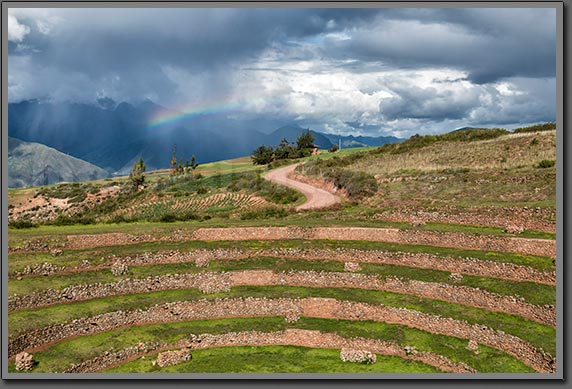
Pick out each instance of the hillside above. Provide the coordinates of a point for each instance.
(472, 176)
(425, 267)
(33, 164)
(362, 141)
(112, 135)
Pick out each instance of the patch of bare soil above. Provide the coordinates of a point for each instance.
(41, 208)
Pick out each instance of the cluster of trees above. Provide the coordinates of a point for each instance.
(178, 169)
(285, 150)
(137, 178)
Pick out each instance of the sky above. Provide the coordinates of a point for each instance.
(343, 71)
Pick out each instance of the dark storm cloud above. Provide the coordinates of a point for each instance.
(177, 56)
(489, 44)
(428, 103)
(132, 46)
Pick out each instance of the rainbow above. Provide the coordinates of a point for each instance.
(188, 112)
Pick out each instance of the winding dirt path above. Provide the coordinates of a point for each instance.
(316, 197)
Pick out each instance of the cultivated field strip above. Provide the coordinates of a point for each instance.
(541, 247)
(216, 201)
(210, 282)
(202, 257)
(307, 307)
(288, 337)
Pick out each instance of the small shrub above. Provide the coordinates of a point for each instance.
(64, 220)
(264, 213)
(20, 224)
(534, 142)
(168, 218)
(546, 163)
(171, 217)
(202, 190)
(118, 219)
(538, 127)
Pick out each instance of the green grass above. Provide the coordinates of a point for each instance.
(276, 359)
(63, 354)
(535, 333)
(533, 293)
(18, 261)
(348, 217)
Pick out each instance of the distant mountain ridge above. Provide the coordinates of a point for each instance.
(33, 164)
(112, 135)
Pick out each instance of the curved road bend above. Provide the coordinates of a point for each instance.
(316, 197)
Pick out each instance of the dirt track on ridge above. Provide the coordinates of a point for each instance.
(316, 197)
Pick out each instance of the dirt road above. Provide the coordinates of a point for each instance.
(316, 197)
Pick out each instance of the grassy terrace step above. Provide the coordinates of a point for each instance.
(276, 359)
(311, 219)
(533, 293)
(537, 334)
(63, 354)
(18, 261)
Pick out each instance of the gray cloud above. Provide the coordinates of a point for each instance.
(379, 69)
(489, 44)
(428, 103)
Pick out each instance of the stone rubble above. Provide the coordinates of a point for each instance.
(24, 361)
(119, 269)
(473, 346)
(43, 269)
(357, 356)
(351, 266)
(456, 277)
(171, 358)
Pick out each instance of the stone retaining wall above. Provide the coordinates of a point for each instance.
(263, 307)
(289, 337)
(527, 218)
(470, 266)
(212, 282)
(544, 247)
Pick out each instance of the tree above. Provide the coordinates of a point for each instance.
(334, 148)
(262, 155)
(193, 165)
(174, 161)
(304, 143)
(305, 140)
(284, 150)
(136, 176)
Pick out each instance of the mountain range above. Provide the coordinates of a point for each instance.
(112, 136)
(33, 164)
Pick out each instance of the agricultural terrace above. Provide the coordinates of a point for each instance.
(439, 258)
